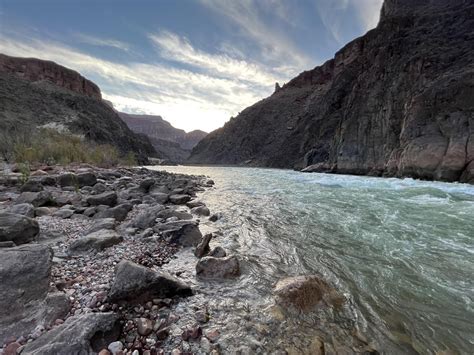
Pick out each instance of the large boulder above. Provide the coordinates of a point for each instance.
(185, 233)
(33, 185)
(17, 228)
(68, 179)
(219, 268)
(86, 179)
(119, 212)
(104, 223)
(37, 199)
(147, 217)
(303, 293)
(201, 211)
(134, 282)
(25, 209)
(203, 247)
(98, 240)
(83, 334)
(24, 299)
(107, 198)
(160, 197)
(179, 199)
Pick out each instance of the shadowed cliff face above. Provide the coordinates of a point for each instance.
(398, 101)
(36, 93)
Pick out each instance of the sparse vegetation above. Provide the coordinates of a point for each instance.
(47, 146)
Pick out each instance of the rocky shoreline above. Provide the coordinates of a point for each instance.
(106, 261)
(81, 251)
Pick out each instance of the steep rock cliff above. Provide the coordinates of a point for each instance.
(36, 93)
(398, 101)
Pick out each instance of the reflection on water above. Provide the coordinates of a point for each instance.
(401, 250)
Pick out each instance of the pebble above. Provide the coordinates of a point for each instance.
(145, 326)
(115, 347)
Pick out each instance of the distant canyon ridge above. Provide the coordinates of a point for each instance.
(172, 144)
(398, 101)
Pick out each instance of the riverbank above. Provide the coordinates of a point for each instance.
(81, 255)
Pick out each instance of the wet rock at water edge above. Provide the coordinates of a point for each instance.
(304, 293)
(219, 268)
(17, 228)
(201, 211)
(185, 233)
(218, 252)
(169, 212)
(106, 198)
(215, 217)
(203, 248)
(82, 334)
(134, 282)
(179, 199)
(98, 240)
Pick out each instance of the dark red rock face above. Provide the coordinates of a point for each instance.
(398, 101)
(33, 69)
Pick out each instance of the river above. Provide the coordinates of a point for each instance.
(400, 250)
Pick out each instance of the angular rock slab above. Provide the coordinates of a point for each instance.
(84, 334)
(185, 233)
(138, 283)
(106, 198)
(218, 268)
(37, 199)
(146, 218)
(24, 299)
(98, 240)
(17, 228)
(179, 199)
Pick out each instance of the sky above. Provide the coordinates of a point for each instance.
(194, 62)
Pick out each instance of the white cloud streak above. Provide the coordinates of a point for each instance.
(331, 12)
(102, 42)
(275, 47)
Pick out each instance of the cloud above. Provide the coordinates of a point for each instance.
(368, 12)
(102, 42)
(275, 47)
(344, 17)
(188, 99)
(179, 49)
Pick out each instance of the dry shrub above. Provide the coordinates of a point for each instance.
(47, 146)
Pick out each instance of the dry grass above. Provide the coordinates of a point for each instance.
(47, 146)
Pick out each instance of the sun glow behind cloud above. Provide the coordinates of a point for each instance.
(192, 87)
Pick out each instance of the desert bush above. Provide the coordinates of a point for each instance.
(47, 146)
